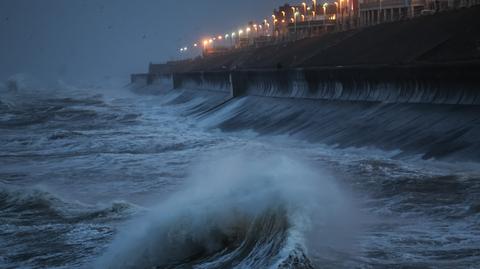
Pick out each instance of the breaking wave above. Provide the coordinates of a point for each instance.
(37, 205)
(238, 212)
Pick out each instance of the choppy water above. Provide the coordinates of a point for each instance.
(105, 178)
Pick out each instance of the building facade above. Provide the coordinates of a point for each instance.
(380, 11)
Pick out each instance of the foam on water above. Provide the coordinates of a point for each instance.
(241, 211)
(118, 187)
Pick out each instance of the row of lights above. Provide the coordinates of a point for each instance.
(209, 41)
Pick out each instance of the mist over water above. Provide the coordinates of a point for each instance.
(242, 211)
(97, 176)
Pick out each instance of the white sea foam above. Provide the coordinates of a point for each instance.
(220, 218)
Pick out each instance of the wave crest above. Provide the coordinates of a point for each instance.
(38, 205)
(238, 212)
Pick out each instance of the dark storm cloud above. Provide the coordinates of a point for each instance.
(93, 38)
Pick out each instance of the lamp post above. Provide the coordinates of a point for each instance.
(379, 11)
(325, 17)
(304, 7)
(337, 13)
(295, 14)
(274, 20)
(341, 13)
(314, 6)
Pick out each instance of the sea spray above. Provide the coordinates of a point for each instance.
(242, 211)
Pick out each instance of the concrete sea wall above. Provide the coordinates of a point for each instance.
(147, 79)
(437, 84)
(213, 81)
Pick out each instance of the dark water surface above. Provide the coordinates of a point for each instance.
(101, 178)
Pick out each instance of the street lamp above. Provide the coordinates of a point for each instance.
(336, 12)
(341, 12)
(274, 20)
(294, 20)
(314, 6)
(304, 7)
(226, 38)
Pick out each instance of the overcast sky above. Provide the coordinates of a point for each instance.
(76, 39)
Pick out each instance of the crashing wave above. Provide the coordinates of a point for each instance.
(239, 212)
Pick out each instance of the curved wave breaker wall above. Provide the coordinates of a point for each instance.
(434, 84)
(212, 81)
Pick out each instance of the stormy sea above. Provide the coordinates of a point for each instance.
(108, 176)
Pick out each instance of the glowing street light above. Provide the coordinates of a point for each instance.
(195, 45)
(294, 20)
(304, 7)
(314, 6)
